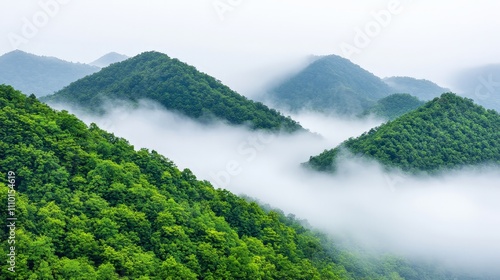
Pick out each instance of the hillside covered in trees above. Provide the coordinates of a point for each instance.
(89, 206)
(330, 84)
(447, 132)
(40, 75)
(175, 85)
(394, 105)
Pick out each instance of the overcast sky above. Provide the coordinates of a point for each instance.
(241, 42)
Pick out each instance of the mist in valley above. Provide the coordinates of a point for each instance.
(452, 218)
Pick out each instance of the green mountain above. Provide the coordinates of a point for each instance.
(447, 132)
(423, 89)
(40, 75)
(175, 85)
(330, 84)
(394, 105)
(89, 206)
(108, 59)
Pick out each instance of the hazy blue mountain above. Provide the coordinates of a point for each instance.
(108, 59)
(394, 105)
(330, 84)
(482, 84)
(421, 88)
(40, 75)
(174, 84)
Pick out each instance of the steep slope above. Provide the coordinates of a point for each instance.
(108, 59)
(175, 85)
(394, 105)
(330, 84)
(423, 89)
(447, 132)
(88, 206)
(40, 75)
(482, 84)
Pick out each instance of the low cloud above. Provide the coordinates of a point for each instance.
(452, 218)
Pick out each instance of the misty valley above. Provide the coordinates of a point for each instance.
(145, 167)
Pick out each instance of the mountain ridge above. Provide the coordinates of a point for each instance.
(175, 85)
(445, 133)
(40, 75)
(109, 58)
(330, 84)
(420, 88)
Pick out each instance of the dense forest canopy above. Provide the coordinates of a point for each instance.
(447, 132)
(89, 206)
(175, 85)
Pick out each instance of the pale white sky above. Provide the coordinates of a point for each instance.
(241, 41)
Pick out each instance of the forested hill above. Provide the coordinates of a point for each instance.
(394, 105)
(331, 84)
(40, 75)
(447, 132)
(175, 85)
(89, 206)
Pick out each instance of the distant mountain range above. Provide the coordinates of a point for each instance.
(330, 84)
(108, 59)
(175, 85)
(423, 89)
(482, 84)
(447, 132)
(40, 75)
(334, 85)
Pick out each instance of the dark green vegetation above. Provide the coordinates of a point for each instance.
(482, 84)
(394, 105)
(91, 207)
(331, 84)
(108, 59)
(175, 85)
(40, 75)
(423, 89)
(447, 132)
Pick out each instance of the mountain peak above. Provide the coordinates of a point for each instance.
(174, 84)
(108, 59)
(330, 84)
(40, 75)
(448, 132)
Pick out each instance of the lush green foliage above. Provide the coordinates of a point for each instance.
(331, 84)
(394, 105)
(91, 207)
(175, 85)
(423, 89)
(447, 132)
(40, 75)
